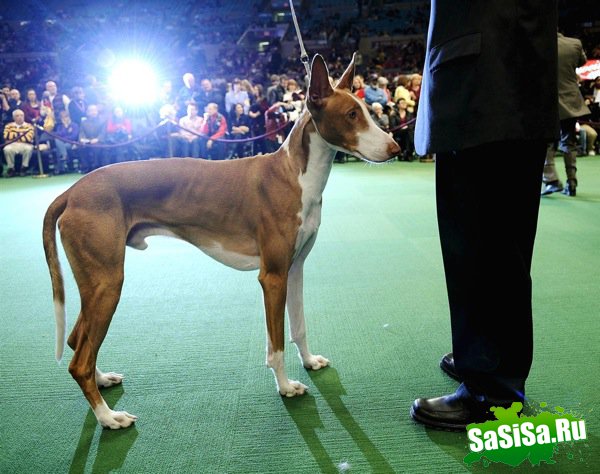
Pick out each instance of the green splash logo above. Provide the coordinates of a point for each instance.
(511, 439)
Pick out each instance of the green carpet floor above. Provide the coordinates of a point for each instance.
(189, 336)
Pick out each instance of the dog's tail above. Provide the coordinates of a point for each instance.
(58, 287)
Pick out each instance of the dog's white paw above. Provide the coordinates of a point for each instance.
(115, 420)
(292, 389)
(315, 362)
(105, 380)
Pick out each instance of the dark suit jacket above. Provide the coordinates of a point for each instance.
(490, 74)
(570, 57)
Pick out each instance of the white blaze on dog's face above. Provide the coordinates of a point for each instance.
(350, 129)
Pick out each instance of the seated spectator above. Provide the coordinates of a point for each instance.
(375, 94)
(402, 92)
(14, 100)
(214, 127)
(78, 105)
(276, 90)
(186, 93)
(118, 130)
(382, 83)
(257, 118)
(188, 144)
(587, 139)
(22, 132)
(239, 128)
(380, 118)
(54, 99)
(236, 96)
(91, 132)
(403, 128)
(275, 120)
(32, 108)
(358, 86)
(206, 95)
(415, 87)
(5, 116)
(293, 100)
(69, 132)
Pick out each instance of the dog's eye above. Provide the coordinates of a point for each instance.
(352, 115)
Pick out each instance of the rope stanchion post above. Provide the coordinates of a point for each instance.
(170, 139)
(36, 141)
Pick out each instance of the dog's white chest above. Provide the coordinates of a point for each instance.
(312, 183)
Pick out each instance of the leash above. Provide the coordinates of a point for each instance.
(303, 55)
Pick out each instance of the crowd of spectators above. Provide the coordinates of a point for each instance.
(55, 68)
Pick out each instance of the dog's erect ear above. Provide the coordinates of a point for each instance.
(320, 87)
(345, 81)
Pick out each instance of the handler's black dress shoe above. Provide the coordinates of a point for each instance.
(453, 412)
(553, 187)
(447, 365)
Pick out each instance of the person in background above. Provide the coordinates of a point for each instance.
(403, 128)
(257, 118)
(490, 67)
(358, 86)
(5, 116)
(403, 92)
(236, 96)
(207, 94)
(91, 132)
(118, 130)
(382, 83)
(374, 93)
(22, 132)
(239, 129)
(570, 106)
(32, 108)
(66, 131)
(276, 90)
(15, 100)
(78, 105)
(587, 139)
(214, 128)
(186, 94)
(188, 143)
(53, 99)
(381, 119)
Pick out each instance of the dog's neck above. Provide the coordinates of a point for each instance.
(310, 155)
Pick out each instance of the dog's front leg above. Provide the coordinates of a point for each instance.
(274, 285)
(295, 305)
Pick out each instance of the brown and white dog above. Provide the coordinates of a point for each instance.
(259, 213)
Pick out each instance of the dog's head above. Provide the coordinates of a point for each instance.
(342, 119)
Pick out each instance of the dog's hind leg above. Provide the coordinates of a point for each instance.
(295, 306)
(97, 260)
(97, 308)
(103, 380)
(273, 279)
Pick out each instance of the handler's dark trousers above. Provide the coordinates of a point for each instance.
(487, 242)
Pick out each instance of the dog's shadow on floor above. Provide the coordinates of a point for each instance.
(114, 445)
(303, 411)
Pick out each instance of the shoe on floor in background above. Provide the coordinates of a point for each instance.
(10, 172)
(553, 187)
(570, 188)
(591, 153)
(24, 170)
